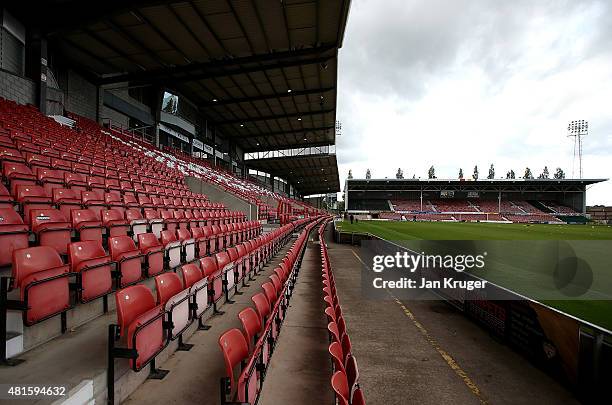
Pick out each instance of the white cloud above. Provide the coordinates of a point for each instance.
(459, 83)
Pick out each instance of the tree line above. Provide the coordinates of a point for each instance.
(511, 174)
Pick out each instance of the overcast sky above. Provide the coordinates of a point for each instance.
(455, 83)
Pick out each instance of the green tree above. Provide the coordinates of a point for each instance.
(475, 175)
(368, 174)
(399, 174)
(460, 173)
(431, 173)
(528, 174)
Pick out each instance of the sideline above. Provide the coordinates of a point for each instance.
(433, 342)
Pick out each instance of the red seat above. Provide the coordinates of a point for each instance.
(42, 279)
(194, 280)
(339, 384)
(358, 398)
(29, 197)
(66, 200)
(10, 154)
(223, 259)
(5, 197)
(13, 234)
(50, 179)
(262, 306)
(114, 222)
(214, 275)
(76, 181)
(157, 224)
(235, 351)
(93, 200)
(87, 224)
(270, 292)
(154, 253)
(335, 351)
(188, 243)
(175, 300)
(16, 174)
(124, 252)
(251, 326)
(114, 202)
(137, 223)
(172, 246)
(141, 323)
(51, 228)
(352, 374)
(93, 266)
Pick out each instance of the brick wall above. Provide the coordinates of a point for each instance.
(81, 96)
(16, 88)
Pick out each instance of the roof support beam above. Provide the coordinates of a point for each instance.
(186, 70)
(273, 117)
(267, 97)
(289, 131)
(266, 146)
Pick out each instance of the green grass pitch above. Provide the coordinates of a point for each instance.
(520, 273)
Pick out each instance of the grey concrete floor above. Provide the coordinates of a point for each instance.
(300, 370)
(425, 352)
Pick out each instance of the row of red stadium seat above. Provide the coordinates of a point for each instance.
(345, 380)
(253, 347)
(146, 324)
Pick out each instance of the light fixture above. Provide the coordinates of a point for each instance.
(289, 90)
(299, 118)
(241, 125)
(305, 139)
(214, 100)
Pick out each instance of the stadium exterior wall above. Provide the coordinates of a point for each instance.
(16, 88)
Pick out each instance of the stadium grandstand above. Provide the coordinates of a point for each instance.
(155, 157)
(167, 170)
(552, 201)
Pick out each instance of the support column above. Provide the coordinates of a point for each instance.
(156, 109)
(36, 67)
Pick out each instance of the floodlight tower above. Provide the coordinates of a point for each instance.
(577, 129)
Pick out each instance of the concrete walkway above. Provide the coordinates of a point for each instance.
(425, 352)
(300, 369)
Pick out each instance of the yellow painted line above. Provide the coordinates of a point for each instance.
(450, 361)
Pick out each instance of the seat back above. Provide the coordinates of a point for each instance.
(167, 286)
(235, 349)
(233, 254)
(191, 274)
(352, 372)
(33, 260)
(335, 351)
(262, 306)
(358, 398)
(120, 244)
(132, 302)
(147, 241)
(52, 228)
(339, 384)
(251, 325)
(270, 292)
(223, 259)
(13, 234)
(45, 298)
(209, 266)
(90, 260)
